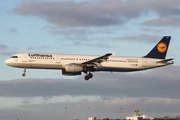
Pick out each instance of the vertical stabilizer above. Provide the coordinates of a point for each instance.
(160, 50)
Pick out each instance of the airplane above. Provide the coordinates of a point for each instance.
(75, 64)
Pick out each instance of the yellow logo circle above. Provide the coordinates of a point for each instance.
(162, 47)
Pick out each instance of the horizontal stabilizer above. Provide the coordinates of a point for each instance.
(165, 60)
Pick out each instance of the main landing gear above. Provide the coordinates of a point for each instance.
(24, 74)
(88, 76)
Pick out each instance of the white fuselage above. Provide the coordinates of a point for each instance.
(59, 61)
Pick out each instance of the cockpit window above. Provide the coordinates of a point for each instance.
(14, 57)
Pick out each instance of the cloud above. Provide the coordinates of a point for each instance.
(43, 47)
(99, 108)
(13, 30)
(155, 90)
(80, 36)
(67, 13)
(172, 22)
(99, 45)
(6, 51)
(66, 32)
(141, 37)
(106, 85)
(3, 47)
(96, 13)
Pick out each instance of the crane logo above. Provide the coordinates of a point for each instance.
(162, 47)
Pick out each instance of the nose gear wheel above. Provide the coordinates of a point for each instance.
(24, 74)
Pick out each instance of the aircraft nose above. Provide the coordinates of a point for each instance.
(7, 62)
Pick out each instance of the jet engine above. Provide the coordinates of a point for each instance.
(72, 69)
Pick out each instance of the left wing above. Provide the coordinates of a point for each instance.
(96, 61)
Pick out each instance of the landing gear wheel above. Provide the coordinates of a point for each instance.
(86, 77)
(24, 74)
(90, 75)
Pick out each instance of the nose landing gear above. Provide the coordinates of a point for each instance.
(88, 76)
(24, 74)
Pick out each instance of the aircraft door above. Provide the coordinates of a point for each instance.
(58, 59)
(24, 57)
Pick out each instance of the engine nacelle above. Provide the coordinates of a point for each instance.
(73, 68)
(70, 73)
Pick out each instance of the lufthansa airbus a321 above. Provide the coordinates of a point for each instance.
(77, 64)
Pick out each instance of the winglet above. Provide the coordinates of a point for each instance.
(160, 50)
(113, 53)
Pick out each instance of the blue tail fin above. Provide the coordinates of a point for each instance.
(160, 50)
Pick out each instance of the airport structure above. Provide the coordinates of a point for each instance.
(138, 116)
(91, 118)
